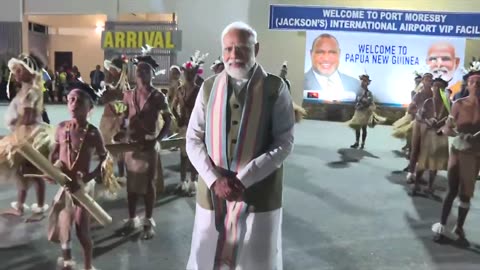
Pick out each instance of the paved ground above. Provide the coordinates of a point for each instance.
(344, 209)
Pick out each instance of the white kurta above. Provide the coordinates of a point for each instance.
(261, 248)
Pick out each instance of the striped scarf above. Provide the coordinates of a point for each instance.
(230, 217)
(216, 132)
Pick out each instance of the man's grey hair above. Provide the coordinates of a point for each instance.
(241, 26)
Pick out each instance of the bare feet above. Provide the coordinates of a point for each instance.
(66, 264)
(12, 212)
(129, 226)
(35, 217)
(439, 231)
(148, 233)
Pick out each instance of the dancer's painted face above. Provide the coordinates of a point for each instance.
(437, 87)
(21, 74)
(144, 73)
(174, 74)
(79, 104)
(427, 81)
(365, 83)
(473, 85)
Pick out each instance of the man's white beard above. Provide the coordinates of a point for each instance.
(239, 73)
(443, 73)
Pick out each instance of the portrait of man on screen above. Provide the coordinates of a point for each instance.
(324, 77)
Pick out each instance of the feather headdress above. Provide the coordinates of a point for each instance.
(365, 75)
(148, 59)
(196, 62)
(31, 63)
(217, 62)
(175, 67)
(117, 63)
(474, 66)
(120, 64)
(473, 69)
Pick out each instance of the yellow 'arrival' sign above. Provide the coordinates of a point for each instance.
(136, 39)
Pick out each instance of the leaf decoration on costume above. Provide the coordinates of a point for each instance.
(196, 60)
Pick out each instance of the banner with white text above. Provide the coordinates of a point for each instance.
(334, 60)
(284, 17)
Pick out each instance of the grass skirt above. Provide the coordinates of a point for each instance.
(433, 150)
(366, 117)
(42, 138)
(300, 112)
(402, 128)
(360, 118)
(110, 187)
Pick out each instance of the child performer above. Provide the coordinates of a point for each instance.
(73, 156)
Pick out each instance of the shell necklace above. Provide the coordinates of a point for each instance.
(70, 147)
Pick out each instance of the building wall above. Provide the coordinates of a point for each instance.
(203, 21)
(11, 40)
(38, 44)
(51, 7)
(10, 29)
(11, 10)
(472, 49)
(85, 49)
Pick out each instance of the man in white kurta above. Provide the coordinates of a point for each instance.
(238, 148)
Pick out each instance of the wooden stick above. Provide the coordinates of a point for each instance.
(117, 148)
(35, 175)
(44, 165)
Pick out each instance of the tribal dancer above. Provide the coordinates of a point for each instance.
(417, 102)
(364, 115)
(144, 169)
(114, 108)
(433, 147)
(218, 66)
(185, 100)
(73, 156)
(462, 91)
(463, 166)
(240, 133)
(300, 112)
(175, 83)
(402, 128)
(24, 115)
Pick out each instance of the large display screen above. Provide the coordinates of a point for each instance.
(334, 60)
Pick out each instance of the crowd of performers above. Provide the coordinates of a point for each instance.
(232, 159)
(433, 116)
(133, 125)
